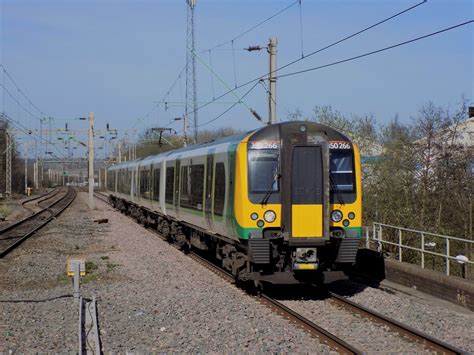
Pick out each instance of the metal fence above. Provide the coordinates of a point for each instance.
(429, 250)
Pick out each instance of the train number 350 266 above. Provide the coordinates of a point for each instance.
(339, 145)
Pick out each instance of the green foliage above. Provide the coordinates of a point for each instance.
(91, 266)
(4, 210)
(416, 175)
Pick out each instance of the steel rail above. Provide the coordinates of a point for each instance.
(55, 190)
(313, 329)
(68, 198)
(326, 337)
(29, 217)
(430, 342)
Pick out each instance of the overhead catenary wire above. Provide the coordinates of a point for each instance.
(301, 29)
(28, 131)
(303, 56)
(20, 90)
(233, 60)
(18, 102)
(216, 47)
(254, 26)
(376, 51)
(316, 51)
(220, 79)
(212, 76)
(231, 107)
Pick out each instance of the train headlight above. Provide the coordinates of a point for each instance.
(254, 216)
(269, 216)
(336, 216)
(351, 215)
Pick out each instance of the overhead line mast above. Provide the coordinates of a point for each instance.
(191, 84)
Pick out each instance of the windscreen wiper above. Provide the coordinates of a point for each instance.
(269, 192)
(336, 190)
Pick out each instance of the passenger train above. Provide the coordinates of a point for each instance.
(280, 204)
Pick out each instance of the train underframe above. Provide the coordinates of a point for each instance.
(270, 259)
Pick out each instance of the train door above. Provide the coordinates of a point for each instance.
(177, 173)
(305, 184)
(209, 189)
(307, 192)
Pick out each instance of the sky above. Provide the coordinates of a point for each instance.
(118, 58)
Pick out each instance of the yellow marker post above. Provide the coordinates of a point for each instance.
(76, 267)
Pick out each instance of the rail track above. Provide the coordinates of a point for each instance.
(15, 234)
(33, 204)
(429, 342)
(326, 337)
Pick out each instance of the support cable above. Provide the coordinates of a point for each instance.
(255, 26)
(317, 51)
(28, 131)
(301, 29)
(232, 106)
(19, 89)
(212, 76)
(221, 80)
(142, 118)
(375, 51)
(233, 60)
(19, 103)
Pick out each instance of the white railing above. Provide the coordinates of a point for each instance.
(425, 243)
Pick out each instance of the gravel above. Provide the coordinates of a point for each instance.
(151, 297)
(442, 320)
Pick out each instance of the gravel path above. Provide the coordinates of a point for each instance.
(151, 297)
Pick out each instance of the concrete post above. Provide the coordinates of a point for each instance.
(272, 50)
(91, 160)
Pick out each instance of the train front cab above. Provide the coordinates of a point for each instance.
(300, 204)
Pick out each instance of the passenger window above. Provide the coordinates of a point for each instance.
(156, 184)
(184, 190)
(219, 189)
(169, 185)
(192, 186)
(144, 183)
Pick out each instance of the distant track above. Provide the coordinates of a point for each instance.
(15, 234)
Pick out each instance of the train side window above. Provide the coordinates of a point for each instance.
(156, 184)
(219, 189)
(192, 186)
(184, 188)
(169, 185)
(144, 183)
(196, 184)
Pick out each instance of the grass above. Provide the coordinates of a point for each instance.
(4, 210)
(90, 266)
(111, 266)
